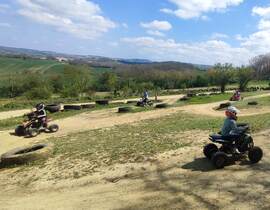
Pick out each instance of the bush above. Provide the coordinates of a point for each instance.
(39, 93)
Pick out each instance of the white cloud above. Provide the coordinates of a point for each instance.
(259, 42)
(196, 8)
(264, 24)
(81, 18)
(209, 52)
(6, 25)
(261, 11)
(219, 36)
(239, 37)
(157, 25)
(155, 33)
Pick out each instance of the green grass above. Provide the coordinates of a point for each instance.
(216, 98)
(14, 65)
(262, 102)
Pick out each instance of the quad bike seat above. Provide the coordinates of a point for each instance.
(222, 139)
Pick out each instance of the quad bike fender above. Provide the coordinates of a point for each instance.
(247, 144)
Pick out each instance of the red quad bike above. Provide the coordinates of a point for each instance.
(233, 148)
(236, 97)
(31, 127)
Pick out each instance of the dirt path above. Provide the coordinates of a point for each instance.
(15, 113)
(181, 179)
(110, 117)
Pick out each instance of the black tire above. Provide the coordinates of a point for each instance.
(184, 98)
(209, 150)
(52, 108)
(102, 102)
(253, 103)
(32, 132)
(162, 106)
(255, 154)
(124, 109)
(53, 128)
(20, 130)
(25, 154)
(131, 102)
(88, 106)
(191, 94)
(72, 107)
(219, 159)
(139, 103)
(224, 105)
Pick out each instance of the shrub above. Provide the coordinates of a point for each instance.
(39, 93)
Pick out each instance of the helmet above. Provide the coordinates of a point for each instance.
(40, 106)
(232, 112)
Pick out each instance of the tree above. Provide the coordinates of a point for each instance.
(244, 76)
(108, 81)
(75, 80)
(261, 66)
(221, 75)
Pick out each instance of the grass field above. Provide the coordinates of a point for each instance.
(15, 65)
(262, 102)
(216, 98)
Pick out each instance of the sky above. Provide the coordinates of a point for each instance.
(192, 31)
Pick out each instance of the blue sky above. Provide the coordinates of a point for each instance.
(197, 31)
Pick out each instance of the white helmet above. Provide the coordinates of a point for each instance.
(233, 109)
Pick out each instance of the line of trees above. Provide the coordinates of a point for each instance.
(79, 80)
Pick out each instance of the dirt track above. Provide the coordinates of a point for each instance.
(180, 179)
(110, 117)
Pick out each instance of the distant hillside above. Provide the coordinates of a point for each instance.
(99, 61)
(13, 65)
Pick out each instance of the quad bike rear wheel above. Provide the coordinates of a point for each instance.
(219, 159)
(255, 154)
(32, 132)
(53, 128)
(209, 150)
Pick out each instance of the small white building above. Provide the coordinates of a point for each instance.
(62, 59)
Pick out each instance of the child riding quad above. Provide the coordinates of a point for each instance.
(37, 121)
(235, 141)
(236, 96)
(145, 100)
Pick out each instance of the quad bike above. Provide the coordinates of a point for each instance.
(32, 126)
(233, 147)
(236, 97)
(144, 103)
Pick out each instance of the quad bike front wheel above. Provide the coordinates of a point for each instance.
(219, 159)
(255, 154)
(33, 132)
(209, 150)
(20, 130)
(53, 128)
